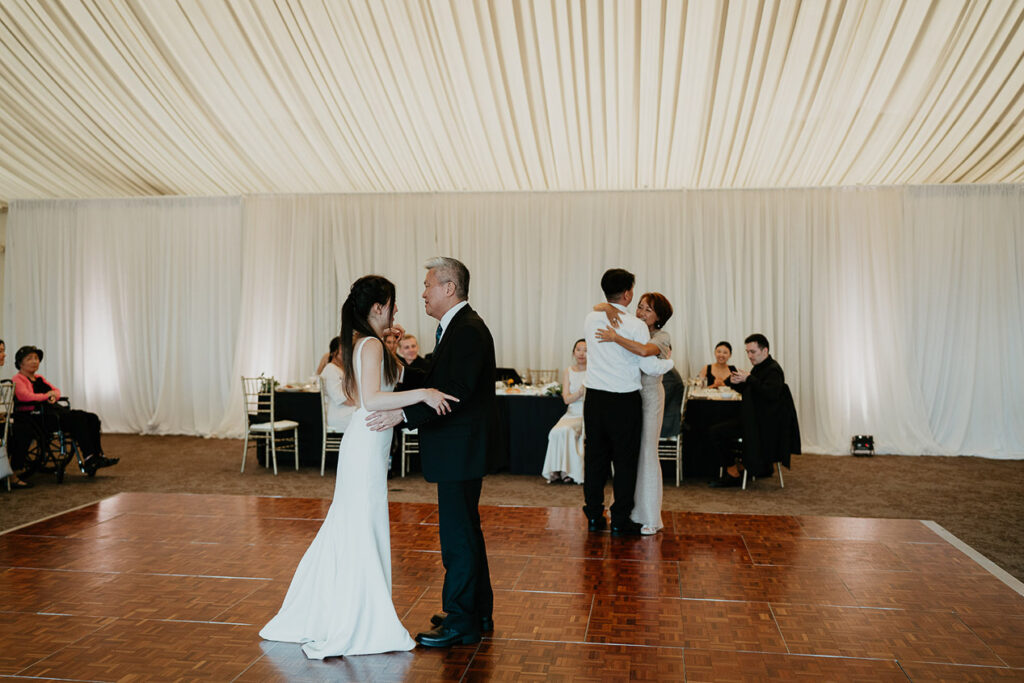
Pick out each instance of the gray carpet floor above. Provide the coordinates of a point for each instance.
(976, 499)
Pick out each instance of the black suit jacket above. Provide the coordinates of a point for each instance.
(771, 431)
(454, 447)
(419, 363)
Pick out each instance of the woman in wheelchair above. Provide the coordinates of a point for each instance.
(39, 408)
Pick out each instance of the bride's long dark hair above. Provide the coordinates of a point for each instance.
(364, 293)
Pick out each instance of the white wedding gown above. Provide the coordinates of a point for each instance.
(339, 601)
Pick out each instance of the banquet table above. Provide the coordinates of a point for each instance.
(523, 425)
(523, 422)
(703, 411)
(304, 408)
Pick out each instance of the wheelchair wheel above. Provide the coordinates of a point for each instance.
(43, 454)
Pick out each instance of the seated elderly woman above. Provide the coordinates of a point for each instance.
(339, 406)
(32, 390)
(563, 461)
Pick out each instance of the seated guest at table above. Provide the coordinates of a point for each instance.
(563, 461)
(654, 310)
(409, 352)
(324, 360)
(339, 406)
(32, 390)
(767, 421)
(719, 373)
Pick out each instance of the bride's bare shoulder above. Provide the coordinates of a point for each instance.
(371, 343)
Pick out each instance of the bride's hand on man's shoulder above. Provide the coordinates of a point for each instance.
(438, 400)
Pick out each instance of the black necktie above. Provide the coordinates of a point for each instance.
(437, 335)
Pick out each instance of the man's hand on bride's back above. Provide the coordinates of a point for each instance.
(438, 400)
(382, 420)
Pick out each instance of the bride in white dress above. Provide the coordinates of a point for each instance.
(339, 601)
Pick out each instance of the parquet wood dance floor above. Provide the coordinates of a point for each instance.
(176, 586)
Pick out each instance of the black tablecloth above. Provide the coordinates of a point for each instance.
(523, 423)
(699, 458)
(523, 426)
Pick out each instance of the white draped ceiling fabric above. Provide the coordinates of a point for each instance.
(842, 176)
(109, 98)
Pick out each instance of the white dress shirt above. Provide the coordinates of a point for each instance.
(611, 367)
(447, 318)
(338, 414)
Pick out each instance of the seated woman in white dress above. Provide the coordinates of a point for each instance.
(564, 459)
(339, 406)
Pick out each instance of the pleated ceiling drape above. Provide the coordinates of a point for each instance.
(232, 97)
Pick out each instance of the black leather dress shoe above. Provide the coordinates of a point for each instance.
(597, 524)
(486, 623)
(627, 529)
(442, 636)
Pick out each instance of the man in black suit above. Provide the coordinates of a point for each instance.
(767, 421)
(453, 449)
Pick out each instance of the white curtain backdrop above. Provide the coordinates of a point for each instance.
(894, 311)
(135, 304)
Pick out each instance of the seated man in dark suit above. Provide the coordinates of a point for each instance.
(767, 422)
(409, 352)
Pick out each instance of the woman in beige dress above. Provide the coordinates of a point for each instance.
(655, 310)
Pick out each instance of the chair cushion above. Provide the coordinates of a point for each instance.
(279, 426)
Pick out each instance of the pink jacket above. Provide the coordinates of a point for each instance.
(24, 392)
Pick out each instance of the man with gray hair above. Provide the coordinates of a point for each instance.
(453, 449)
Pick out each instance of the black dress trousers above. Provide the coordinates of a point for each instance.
(612, 422)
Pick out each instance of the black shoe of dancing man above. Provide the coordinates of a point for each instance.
(486, 623)
(442, 636)
(626, 529)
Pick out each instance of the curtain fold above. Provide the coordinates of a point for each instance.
(134, 302)
(894, 311)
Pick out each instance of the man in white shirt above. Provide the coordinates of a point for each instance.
(612, 415)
